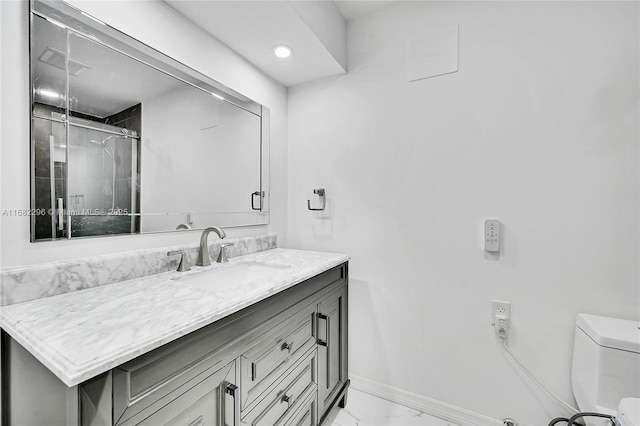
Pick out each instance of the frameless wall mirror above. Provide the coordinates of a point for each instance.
(126, 140)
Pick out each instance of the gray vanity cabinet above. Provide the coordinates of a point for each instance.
(279, 362)
(331, 332)
(209, 402)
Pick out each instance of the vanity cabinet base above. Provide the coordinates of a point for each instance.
(281, 361)
(31, 394)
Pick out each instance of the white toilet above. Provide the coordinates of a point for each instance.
(605, 373)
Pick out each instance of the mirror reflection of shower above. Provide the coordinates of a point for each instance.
(86, 173)
(102, 172)
(110, 152)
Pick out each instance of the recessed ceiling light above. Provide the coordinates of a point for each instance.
(282, 51)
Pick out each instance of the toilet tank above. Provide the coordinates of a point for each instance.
(606, 362)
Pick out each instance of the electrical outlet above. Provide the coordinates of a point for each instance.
(500, 308)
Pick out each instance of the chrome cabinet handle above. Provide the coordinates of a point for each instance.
(286, 398)
(234, 392)
(319, 341)
(326, 343)
(286, 346)
(253, 194)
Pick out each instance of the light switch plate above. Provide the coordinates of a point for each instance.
(492, 235)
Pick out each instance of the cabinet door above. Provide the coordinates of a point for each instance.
(331, 339)
(210, 401)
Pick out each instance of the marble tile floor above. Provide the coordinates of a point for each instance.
(368, 410)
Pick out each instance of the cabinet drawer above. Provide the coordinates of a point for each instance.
(279, 351)
(305, 414)
(285, 399)
(271, 356)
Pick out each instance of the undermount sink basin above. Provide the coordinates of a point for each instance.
(232, 273)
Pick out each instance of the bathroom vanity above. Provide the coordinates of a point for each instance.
(261, 340)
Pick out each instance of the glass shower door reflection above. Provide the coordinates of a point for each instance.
(101, 179)
(49, 179)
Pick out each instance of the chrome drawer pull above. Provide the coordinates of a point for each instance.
(286, 346)
(286, 399)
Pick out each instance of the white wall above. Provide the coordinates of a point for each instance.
(539, 128)
(156, 24)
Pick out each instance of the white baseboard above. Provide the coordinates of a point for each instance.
(448, 412)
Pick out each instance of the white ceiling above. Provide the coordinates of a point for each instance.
(253, 28)
(351, 9)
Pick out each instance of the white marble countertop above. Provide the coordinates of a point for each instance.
(84, 333)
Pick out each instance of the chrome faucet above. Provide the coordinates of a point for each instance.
(203, 253)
